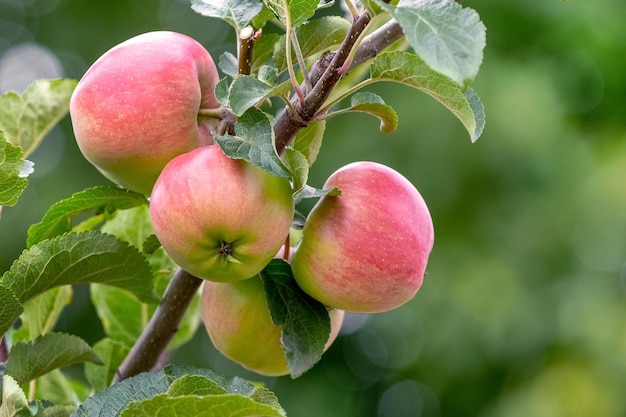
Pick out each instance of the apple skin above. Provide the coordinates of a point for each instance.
(366, 250)
(220, 219)
(238, 321)
(140, 104)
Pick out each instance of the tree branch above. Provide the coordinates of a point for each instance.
(162, 326)
(287, 124)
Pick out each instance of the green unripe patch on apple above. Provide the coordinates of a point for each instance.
(219, 218)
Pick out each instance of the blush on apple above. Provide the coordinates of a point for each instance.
(142, 103)
(366, 250)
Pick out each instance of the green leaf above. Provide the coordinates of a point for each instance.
(308, 140)
(245, 92)
(29, 360)
(76, 258)
(148, 385)
(221, 91)
(42, 312)
(60, 388)
(228, 64)
(311, 192)
(14, 402)
(448, 37)
(194, 385)
(295, 11)
(27, 118)
(224, 405)
(238, 13)
(102, 200)
(112, 354)
(57, 411)
(372, 104)
(254, 142)
(316, 36)
(409, 69)
(10, 308)
(299, 167)
(305, 322)
(13, 172)
(263, 49)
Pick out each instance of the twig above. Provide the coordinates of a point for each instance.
(287, 124)
(376, 42)
(4, 350)
(246, 44)
(162, 326)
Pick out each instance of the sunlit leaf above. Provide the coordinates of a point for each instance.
(448, 37)
(13, 172)
(373, 104)
(410, 70)
(238, 13)
(14, 402)
(27, 118)
(296, 11)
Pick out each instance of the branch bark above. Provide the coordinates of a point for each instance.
(288, 124)
(162, 326)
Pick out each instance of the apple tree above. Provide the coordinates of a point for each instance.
(209, 158)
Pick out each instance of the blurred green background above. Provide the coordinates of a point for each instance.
(523, 309)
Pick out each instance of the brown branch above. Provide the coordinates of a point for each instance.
(246, 47)
(162, 326)
(287, 124)
(376, 42)
(4, 350)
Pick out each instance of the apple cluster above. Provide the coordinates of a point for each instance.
(144, 114)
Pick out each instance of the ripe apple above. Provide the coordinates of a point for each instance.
(219, 218)
(142, 103)
(239, 324)
(366, 250)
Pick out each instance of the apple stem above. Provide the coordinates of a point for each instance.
(162, 326)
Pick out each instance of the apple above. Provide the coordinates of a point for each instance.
(366, 250)
(219, 218)
(142, 103)
(238, 321)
